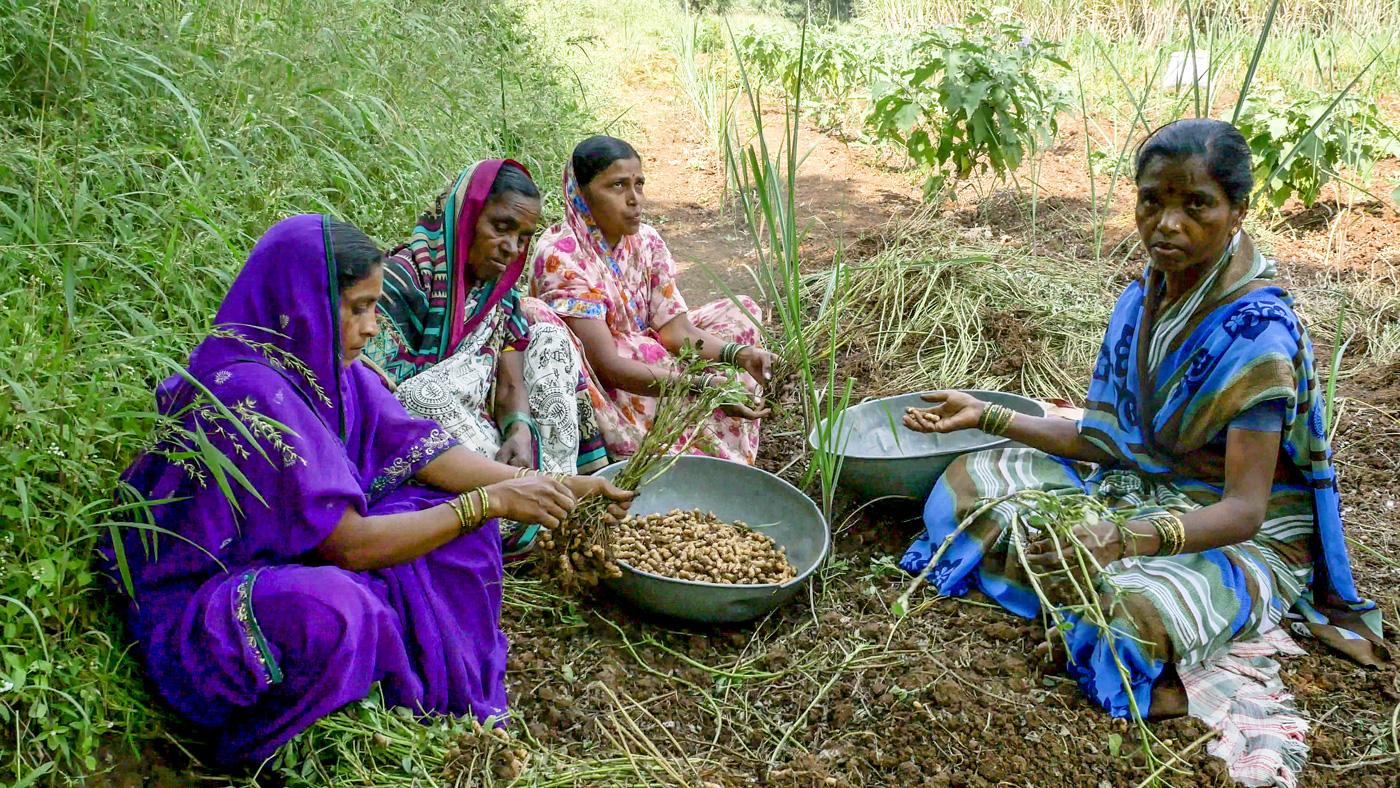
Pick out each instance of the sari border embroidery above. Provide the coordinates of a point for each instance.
(252, 633)
(404, 466)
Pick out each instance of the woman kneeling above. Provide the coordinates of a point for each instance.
(338, 541)
(1203, 423)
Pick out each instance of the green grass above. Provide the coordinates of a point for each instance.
(146, 145)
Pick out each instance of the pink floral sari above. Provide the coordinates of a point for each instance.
(633, 290)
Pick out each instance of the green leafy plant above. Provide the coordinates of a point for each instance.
(833, 67)
(974, 102)
(1300, 142)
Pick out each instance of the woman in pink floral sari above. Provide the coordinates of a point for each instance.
(613, 281)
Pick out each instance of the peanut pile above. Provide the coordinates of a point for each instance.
(696, 545)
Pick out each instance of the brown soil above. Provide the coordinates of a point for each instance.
(843, 197)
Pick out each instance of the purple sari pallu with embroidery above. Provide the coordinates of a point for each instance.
(242, 628)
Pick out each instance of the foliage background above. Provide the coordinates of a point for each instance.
(144, 146)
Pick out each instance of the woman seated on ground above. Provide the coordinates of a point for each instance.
(1203, 421)
(456, 329)
(613, 281)
(355, 543)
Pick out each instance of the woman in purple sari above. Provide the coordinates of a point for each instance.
(340, 542)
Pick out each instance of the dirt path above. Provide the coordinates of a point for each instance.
(843, 197)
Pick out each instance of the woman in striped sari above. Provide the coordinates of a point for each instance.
(1204, 422)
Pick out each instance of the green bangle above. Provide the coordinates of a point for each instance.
(511, 419)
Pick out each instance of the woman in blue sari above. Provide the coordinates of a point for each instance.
(1204, 422)
(340, 541)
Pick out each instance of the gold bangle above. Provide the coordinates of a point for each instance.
(1180, 533)
(996, 419)
(485, 503)
(1171, 533)
(459, 506)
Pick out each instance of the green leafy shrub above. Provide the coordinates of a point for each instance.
(974, 101)
(1275, 123)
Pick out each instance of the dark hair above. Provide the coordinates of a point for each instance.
(1225, 151)
(512, 179)
(596, 154)
(355, 254)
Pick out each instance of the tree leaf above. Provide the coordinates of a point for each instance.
(907, 116)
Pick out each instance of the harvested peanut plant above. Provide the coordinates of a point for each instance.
(1076, 590)
(580, 552)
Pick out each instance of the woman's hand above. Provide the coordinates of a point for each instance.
(954, 411)
(757, 362)
(1103, 539)
(740, 410)
(518, 449)
(531, 499)
(589, 486)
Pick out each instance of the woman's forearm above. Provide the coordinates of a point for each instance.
(614, 371)
(362, 544)
(1056, 436)
(680, 333)
(637, 378)
(461, 470)
(511, 395)
(1231, 521)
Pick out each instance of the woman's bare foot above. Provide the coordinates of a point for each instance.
(1168, 696)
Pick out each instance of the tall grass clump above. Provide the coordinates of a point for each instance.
(147, 144)
(703, 79)
(766, 183)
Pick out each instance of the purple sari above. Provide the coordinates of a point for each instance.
(242, 627)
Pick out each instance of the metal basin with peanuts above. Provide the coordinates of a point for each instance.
(716, 541)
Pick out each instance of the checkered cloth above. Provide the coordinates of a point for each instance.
(1239, 694)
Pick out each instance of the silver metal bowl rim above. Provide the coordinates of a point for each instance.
(776, 587)
(990, 444)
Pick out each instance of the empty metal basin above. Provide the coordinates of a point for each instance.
(732, 491)
(885, 458)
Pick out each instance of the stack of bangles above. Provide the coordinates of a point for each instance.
(471, 514)
(523, 472)
(729, 354)
(1171, 533)
(996, 419)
